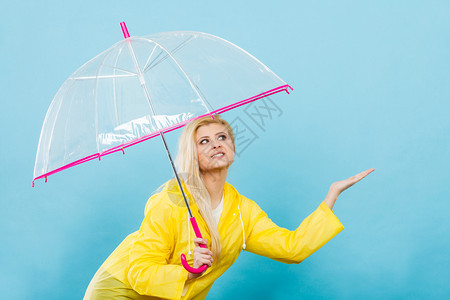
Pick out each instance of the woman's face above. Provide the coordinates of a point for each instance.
(215, 148)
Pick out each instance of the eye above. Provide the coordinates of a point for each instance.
(204, 141)
(222, 137)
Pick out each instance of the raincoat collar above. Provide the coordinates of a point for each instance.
(173, 191)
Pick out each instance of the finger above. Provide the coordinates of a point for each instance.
(201, 250)
(208, 262)
(367, 172)
(201, 241)
(361, 175)
(202, 256)
(205, 256)
(204, 251)
(198, 241)
(204, 261)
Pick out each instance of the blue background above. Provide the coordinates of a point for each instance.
(372, 89)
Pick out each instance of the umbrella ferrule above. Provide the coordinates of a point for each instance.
(124, 30)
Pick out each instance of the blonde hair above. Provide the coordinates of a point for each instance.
(188, 168)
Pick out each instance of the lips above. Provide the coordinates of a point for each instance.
(218, 154)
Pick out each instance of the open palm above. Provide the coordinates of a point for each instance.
(340, 186)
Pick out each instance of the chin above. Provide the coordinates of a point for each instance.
(217, 167)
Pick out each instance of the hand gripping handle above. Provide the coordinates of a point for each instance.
(183, 257)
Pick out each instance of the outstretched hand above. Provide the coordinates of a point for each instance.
(340, 186)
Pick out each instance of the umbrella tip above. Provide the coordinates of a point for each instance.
(124, 30)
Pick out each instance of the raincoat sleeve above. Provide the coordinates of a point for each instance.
(267, 239)
(148, 271)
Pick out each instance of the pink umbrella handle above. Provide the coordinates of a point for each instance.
(183, 257)
(191, 269)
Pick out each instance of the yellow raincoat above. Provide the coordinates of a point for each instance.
(146, 265)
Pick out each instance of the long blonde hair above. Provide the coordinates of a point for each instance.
(188, 168)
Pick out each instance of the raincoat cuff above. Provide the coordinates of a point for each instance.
(181, 282)
(331, 217)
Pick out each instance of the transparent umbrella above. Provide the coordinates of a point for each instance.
(143, 87)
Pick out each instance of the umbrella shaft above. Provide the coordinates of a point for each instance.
(176, 175)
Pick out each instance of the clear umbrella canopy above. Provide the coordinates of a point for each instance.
(142, 86)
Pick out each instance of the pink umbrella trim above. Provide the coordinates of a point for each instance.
(165, 130)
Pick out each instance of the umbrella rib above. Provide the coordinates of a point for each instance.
(151, 65)
(59, 109)
(205, 103)
(96, 101)
(114, 88)
(123, 70)
(182, 44)
(102, 77)
(165, 57)
(53, 125)
(148, 60)
(234, 45)
(141, 79)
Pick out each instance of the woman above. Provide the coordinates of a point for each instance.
(146, 265)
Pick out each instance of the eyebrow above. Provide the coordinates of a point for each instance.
(206, 136)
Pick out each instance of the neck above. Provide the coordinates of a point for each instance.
(215, 181)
